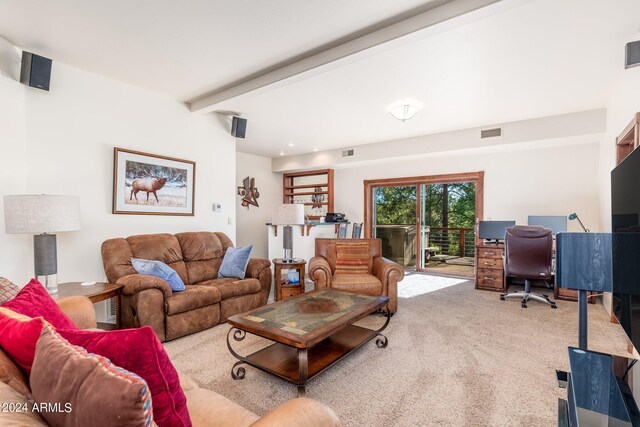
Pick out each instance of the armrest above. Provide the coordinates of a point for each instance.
(320, 272)
(385, 269)
(301, 412)
(135, 283)
(255, 267)
(389, 273)
(80, 310)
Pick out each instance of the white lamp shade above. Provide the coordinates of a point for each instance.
(41, 213)
(288, 214)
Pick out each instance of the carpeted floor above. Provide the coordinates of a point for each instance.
(456, 357)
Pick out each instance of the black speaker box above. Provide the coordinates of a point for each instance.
(632, 54)
(238, 127)
(36, 70)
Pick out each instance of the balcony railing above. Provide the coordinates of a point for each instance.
(452, 241)
(399, 242)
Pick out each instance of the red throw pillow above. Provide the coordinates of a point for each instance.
(19, 336)
(139, 351)
(34, 301)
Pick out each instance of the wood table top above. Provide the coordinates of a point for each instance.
(306, 319)
(69, 289)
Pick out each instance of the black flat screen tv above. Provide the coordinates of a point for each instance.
(494, 230)
(625, 226)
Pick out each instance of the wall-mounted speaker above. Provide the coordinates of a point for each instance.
(238, 127)
(632, 54)
(35, 71)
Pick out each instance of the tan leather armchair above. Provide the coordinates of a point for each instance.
(382, 276)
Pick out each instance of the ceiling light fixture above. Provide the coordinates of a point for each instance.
(290, 144)
(282, 152)
(403, 112)
(315, 148)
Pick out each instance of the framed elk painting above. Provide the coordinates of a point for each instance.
(149, 184)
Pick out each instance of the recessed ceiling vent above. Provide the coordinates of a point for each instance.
(348, 153)
(490, 133)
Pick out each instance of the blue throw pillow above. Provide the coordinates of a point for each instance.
(235, 262)
(159, 269)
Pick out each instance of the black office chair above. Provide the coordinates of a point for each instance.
(528, 254)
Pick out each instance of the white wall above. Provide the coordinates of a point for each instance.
(61, 142)
(525, 180)
(250, 222)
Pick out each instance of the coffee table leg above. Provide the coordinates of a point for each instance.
(303, 371)
(237, 372)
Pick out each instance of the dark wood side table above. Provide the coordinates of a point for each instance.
(99, 292)
(284, 289)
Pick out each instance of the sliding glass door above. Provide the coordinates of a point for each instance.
(395, 223)
(426, 223)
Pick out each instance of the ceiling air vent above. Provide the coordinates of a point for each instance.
(490, 133)
(347, 153)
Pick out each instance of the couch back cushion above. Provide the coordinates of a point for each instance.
(117, 254)
(326, 248)
(203, 253)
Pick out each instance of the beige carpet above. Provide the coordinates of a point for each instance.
(456, 357)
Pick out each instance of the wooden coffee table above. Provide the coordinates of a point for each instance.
(310, 332)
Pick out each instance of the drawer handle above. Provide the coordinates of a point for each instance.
(489, 278)
(488, 253)
(489, 263)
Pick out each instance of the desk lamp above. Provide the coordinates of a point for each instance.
(288, 215)
(575, 216)
(584, 263)
(42, 215)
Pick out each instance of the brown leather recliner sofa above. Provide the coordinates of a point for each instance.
(196, 257)
(381, 279)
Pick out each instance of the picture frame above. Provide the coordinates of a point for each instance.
(151, 184)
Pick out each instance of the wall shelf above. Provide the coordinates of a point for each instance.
(317, 202)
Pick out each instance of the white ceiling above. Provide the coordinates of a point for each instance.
(533, 59)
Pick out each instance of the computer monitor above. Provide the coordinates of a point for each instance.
(557, 224)
(494, 230)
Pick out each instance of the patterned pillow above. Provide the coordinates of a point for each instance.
(353, 258)
(86, 388)
(8, 290)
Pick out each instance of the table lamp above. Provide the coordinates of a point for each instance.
(42, 215)
(584, 263)
(288, 215)
(575, 216)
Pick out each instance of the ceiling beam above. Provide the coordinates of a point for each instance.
(318, 62)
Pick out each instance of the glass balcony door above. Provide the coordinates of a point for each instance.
(394, 222)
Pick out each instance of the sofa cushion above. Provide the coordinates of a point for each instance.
(28, 418)
(202, 252)
(229, 287)
(352, 258)
(88, 389)
(159, 247)
(208, 408)
(19, 337)
(234, 263)
(159, 269)
(33, 301)
(11, 375)
(8, 290)
(358, 283)
(139, 351)
(193, 297)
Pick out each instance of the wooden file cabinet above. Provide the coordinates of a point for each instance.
(489, 268)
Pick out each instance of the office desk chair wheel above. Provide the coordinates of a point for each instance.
(526, 295)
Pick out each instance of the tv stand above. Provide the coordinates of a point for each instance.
(489, 268)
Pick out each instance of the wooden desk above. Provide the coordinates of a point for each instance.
(99, 292)
(489, 268)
